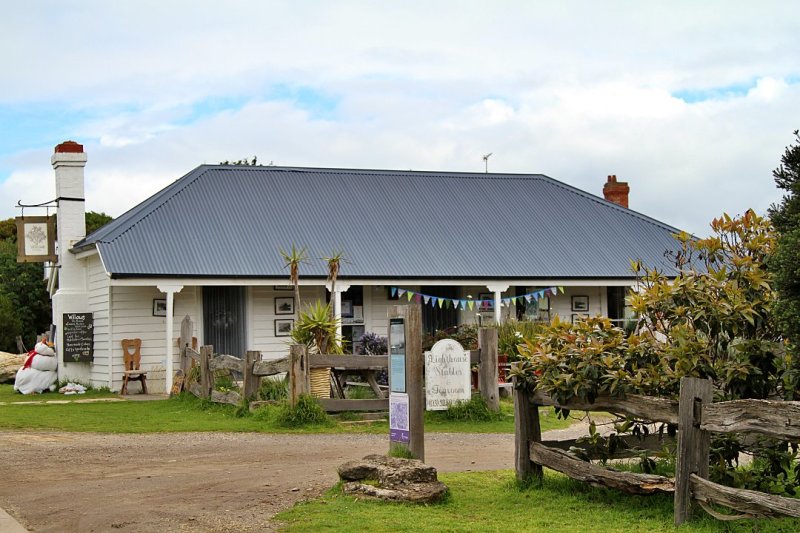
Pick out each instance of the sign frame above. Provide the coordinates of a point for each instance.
(26, 226)
(68, 351)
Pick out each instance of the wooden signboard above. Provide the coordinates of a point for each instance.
(78, 337)
(36, 239)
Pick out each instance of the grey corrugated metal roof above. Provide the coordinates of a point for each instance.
(231, 221)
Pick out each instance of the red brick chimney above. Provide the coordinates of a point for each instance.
(69, 147)
(616, 191)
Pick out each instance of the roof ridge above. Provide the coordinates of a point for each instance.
(602, 201)
(384, 171)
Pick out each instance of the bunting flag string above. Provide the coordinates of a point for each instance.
(481, 305)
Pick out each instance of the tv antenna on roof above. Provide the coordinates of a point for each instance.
(486, 161)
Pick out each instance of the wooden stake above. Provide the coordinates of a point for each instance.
(487, 373)
(251, 381)
(693, 443)
(206, 377)
(299, 375)
(526, 430)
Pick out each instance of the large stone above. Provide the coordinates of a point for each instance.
(9, 364)
(392, 479)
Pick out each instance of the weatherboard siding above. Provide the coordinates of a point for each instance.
(133, 318)
(97, 297)
(262, 322)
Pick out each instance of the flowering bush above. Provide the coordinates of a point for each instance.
(373, 344)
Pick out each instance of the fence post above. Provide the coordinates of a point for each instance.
(693, 443)
(298, 373)
(185, 340)
(251, 381)
(487, 371)
(206, 377)
(526, 429)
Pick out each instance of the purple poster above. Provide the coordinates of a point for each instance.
(398, 417)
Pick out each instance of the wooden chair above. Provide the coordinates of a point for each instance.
(132, 357)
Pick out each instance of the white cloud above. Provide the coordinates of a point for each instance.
(576, 90)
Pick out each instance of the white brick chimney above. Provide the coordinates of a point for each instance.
(68, 163)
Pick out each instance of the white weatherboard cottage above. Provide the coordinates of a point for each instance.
(207, 246)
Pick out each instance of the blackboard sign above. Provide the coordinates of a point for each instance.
(78, 337)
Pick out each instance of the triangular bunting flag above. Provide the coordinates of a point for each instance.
(433, 301)
(471, 304)
(529, 297)
(410, 295)
(426, 298)
(394, 291)
(561, 289)
(441, 302)
(401, 292)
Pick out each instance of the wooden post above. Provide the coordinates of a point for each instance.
(206, 376)
(184, 341)
(487, 371)
(526, 430)
(299, 376)
(415, 384)
(410, 352)
(251, 381)
(693, 443)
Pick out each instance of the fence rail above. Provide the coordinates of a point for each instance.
(299, 364)
(696, 418)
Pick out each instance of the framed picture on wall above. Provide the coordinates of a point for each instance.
(577, 317)
(580, 304)
(284, 305)
(347, 308)
(159, 307)
(283, 327)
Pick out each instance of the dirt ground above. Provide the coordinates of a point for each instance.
(56, 481)
(53, 481)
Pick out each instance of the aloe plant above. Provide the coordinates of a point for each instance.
(318, 330)
(292, 260)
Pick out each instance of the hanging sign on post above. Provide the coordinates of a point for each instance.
(36, 239)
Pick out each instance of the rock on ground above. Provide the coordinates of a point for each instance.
(392, 478)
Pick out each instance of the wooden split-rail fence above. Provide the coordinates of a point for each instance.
(299, 363)
(695, 416)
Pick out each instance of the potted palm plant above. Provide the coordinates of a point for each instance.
(317, 329)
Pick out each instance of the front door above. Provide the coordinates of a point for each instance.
(224, 319)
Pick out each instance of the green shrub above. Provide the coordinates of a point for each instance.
(359, 393)
(401, 452)
(475, 410)
(308, 411)
(465, 334)
(273, 389)
(224, 382)
(511, 334)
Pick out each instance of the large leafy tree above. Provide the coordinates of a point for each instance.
(785, 262)
(24, 303)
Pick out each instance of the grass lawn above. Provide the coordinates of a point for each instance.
(187, 413)
(491, 501)
(8, 394)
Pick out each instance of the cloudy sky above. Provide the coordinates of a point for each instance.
(690, 102)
